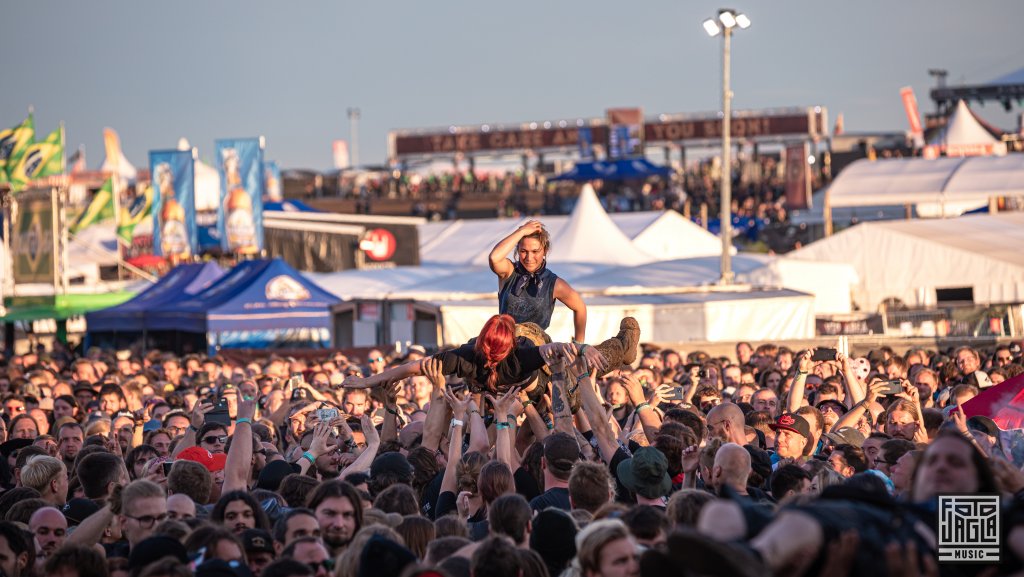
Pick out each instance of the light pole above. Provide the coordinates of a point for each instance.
(724, 24)
(353, 134)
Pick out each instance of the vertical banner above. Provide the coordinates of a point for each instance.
(586, 143)
(913, 115)
(798, 177)
(625, 132)
(240, 162)
(32, 238)
(134, 225)
(272, 181)
(175, 236)
(207, 207)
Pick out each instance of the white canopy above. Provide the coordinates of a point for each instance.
(909, 260)
(591, 236)
(963, 130)
(962, 181)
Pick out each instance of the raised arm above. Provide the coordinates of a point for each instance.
(459, 408)
(394, 374)
(796, 391)
(649, 418)
(239, 459)
(365, 459)
(571, 299)
(434, 425)
(498, 258)
(853, 415)
(503, 423)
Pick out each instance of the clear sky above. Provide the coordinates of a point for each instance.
(207, 69)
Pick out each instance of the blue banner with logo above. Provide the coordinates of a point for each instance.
(272, 182)
(175, 235)
(240, 220)
(586, 143)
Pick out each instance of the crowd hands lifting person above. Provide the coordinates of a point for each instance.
(497, 459)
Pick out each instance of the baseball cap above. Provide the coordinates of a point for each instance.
(155, 548)
(393, 462)
(846, 436)
(646, 473)
(561, 452)
(257, 541)
(76, 510)
(213, 463)
(984, 424)
(792, 422)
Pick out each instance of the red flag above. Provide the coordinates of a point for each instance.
(1004, 403)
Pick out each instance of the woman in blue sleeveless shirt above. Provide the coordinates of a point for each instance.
(527, 289)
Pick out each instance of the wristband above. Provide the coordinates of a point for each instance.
(643, 405)
(457, 423)
(241, 420)
(526, 403)
(192, 428)
(502, 425)
(511, 418)
(550, 425)
(392, 411)
(309, 457)
(474, 412)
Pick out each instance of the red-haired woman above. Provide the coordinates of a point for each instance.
(497, 360)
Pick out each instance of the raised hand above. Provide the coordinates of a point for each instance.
(321, 434)
(431, 367)
(594, 358)
(503, 404)
(369, 431)
(804, 363)
(634, 389)
(459, 405)
(198, 416)
(246, 409)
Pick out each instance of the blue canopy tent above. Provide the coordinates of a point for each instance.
(258, 304)
(621, 169)
(114, 326)
(288, 206)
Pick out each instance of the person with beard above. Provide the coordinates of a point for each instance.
(50, 527)
(238, 511)
(527, 289)
(339, 511)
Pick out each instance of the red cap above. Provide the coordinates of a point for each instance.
(212, 462)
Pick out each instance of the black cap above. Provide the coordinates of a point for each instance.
(257, 541)
(382, 557)
(76, 510)
(391, 463)
(271, 476)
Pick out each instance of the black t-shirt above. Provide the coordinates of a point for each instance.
(517, 367)
(526, 484)
(428, 504)
(557, 497)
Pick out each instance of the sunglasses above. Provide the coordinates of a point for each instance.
(147, 521)
(377, 360)
(211, 439)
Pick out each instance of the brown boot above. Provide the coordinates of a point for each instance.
(629, 333)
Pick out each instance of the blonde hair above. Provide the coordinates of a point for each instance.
(40, 470)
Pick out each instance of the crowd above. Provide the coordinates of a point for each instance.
(507, 456)
(128, 464)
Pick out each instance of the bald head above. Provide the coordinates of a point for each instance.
(49, 527)
(732, 467)
(726, 422)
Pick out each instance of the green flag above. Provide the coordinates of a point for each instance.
(101, 208)
(131, 216)
(13, 143)
(44, 158)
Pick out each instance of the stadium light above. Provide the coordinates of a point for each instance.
(729, 19)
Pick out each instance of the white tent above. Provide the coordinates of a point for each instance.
(206, 181)
(591, 236)
(964, 135)
(656, 235)
(942, 186)
(911, 260)
(830, 283)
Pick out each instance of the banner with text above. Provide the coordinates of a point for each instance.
(240, 162)
(798, 177)
(175, 235)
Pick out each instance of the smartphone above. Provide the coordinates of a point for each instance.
(676, 394)
(892, 387)
(326, 415)
(167, 467)
(219, 414)
(295, 380)
(824, 355)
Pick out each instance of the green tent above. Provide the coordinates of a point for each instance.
(59, 307)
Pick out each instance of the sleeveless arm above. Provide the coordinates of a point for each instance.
(570, 298)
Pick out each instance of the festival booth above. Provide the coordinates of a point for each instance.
(123, 324)
(258, 304)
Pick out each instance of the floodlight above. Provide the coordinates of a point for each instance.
(742, 21)
(711, 27)
(727, 18)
